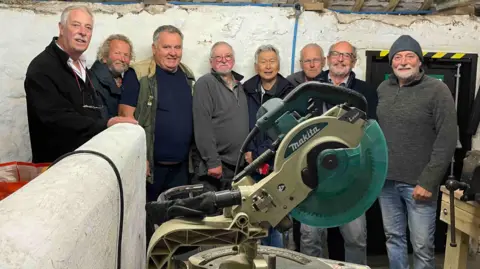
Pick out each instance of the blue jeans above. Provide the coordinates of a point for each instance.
(274, 239)
(313, 239)
(399, 209)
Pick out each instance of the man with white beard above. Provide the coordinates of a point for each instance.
(417, 115)
(341, 58)
(113, 60)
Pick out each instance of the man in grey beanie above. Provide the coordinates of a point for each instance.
(417, 115)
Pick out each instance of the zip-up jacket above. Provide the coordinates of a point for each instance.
(254, 98)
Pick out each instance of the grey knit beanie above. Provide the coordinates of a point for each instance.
(405, 43)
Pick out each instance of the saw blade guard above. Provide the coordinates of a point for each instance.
(349, 181)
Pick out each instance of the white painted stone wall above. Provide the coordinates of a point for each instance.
(27, 33)
(68, 217)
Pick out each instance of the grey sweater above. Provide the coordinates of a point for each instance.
(420, 125)
(220, 118)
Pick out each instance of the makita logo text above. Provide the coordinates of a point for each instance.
(305, 137)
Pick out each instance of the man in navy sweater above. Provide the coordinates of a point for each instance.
(158, 92)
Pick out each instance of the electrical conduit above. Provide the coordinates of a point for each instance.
(298, 11)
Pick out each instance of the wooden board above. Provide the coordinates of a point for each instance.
(447, 4)
(467, 214)
(467, 224)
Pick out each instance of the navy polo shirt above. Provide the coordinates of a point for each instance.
(174, 119)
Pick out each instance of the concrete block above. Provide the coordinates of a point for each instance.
(68, 217)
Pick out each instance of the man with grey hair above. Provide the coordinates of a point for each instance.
(113, 60)
(312, 61)
(220, 117)
(63, 106)
(268, 83)
(158, 92)
(341, 59)
(417, 115)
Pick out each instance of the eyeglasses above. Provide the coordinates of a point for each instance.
(93, 102)
(228, 58)
(346, 55)
(309, 61)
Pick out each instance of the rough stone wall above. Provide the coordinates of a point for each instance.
(30, 28)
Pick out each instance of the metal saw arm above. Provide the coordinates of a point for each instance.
(328, 170)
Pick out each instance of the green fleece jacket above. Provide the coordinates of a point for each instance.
(420, 125)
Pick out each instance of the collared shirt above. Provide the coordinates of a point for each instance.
(82, 73)
(343, 83)
(270, 93)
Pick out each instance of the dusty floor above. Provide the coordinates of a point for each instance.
(381, 262)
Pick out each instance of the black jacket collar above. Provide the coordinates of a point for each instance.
(282, 85)
(105, 77)
(323, 77)
(58, 53)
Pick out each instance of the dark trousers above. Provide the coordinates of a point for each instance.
(167, 177)
(217, 184)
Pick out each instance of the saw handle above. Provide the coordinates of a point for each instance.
(452, 185)
(300, 98)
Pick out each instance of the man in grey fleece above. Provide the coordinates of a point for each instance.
(220, 120)
(417, 115)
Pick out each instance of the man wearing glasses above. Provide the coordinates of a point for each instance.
(63, 107)
(220, 117)
(312, 61)
(341, 59)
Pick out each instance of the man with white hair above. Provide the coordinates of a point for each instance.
(63, 107)
(113, 60)
(417, 115)
(220, 118)
(312, 61)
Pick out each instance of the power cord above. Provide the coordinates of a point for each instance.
(120, 188)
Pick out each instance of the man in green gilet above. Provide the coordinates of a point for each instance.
(158, 93)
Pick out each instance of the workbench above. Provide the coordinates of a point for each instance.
(467, 224)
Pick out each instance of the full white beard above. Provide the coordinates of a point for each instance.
(408, 76)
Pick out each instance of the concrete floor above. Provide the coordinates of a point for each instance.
(381, 262)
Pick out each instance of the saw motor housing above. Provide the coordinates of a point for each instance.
(312, 151)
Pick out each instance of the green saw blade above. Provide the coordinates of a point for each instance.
(348, 190)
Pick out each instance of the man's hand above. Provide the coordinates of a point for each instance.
(215, 172)
(115, 120)
(148, 168)
(248, 157)
(421, 194)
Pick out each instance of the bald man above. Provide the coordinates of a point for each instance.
(312, 61)
(341, 59)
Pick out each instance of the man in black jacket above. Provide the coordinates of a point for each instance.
(113, 60)
(341, 59)
(63, 107)
(267, 84)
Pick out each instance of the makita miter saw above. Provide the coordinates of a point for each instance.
(328, 170)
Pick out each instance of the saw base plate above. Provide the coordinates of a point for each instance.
(284, 259)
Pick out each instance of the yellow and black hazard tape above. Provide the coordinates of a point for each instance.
(433, 55)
